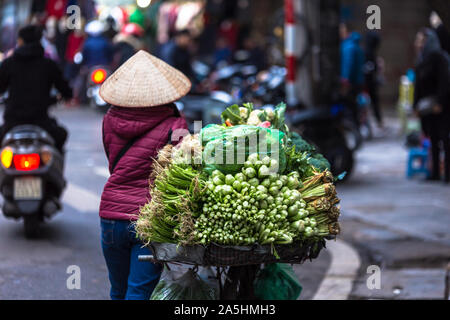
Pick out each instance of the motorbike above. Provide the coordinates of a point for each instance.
(269, 87)
(206, 108)
(96, 76)
(31, 176)
(93, 79)
(327, 132)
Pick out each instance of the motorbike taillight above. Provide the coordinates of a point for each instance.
(98, 76)
(7, 157)
(26, 162)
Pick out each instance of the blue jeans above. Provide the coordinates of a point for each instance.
(130, 279)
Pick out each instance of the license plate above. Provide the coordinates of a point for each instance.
(27, 188)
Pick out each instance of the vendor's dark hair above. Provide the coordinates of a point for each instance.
(30, 34)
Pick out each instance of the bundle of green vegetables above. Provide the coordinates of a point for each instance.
(175, 192)
(258, 206)
(319, 194)
(264, 200)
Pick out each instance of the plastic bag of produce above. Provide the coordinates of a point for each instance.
(227, 149)
(277, 281)
(187, 287)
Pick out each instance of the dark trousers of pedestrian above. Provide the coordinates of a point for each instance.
(130, 278)
(49, 124)
(372, 88)
(437, 127)
(352, 104)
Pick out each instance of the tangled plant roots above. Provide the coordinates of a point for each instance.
(161, 162)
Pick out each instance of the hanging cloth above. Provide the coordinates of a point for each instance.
(56, 8)
(186, 14)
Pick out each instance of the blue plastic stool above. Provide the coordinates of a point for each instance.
(415, 154)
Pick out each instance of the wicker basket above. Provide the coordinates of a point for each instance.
(218, 255)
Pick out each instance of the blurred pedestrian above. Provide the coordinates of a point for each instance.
(127, 43)
(432, 97)
(371, 72)
(97, 49)
(61, 38)
(48, 40)
(257, 55)
(177, 54)
(75, 43)
(352, 63)
(38, 12)
(110, 28)
(29, 77)
(441, 31)
(223, 53)
(229, 30)
(145, 88)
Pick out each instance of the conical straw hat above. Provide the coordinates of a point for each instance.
(144, 81)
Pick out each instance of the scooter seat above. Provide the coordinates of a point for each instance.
(27, 132)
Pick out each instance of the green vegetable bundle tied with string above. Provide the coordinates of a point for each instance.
(168, 216)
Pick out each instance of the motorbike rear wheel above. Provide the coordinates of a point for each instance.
(31, 226)
(341, 160)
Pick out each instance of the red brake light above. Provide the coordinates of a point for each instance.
(26, 162)
(98, 76)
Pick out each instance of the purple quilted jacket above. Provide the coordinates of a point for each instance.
(127, 187)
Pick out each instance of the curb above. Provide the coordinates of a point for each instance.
(338, 281)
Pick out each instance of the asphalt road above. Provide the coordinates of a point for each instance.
(37, 269)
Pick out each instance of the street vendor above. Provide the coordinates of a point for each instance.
(140, 122)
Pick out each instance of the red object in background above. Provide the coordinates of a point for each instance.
(98, 76)
(133, 29)
(56, 8)
(74, 45)
(26, 162)
(229, 30)
(289, 11)
(291, 63)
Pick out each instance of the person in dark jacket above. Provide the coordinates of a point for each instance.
(433, 81)
(176, 53)
(97, 49)
(352, 64)
(127, 43)
(141, 121)
(371, 73)
(29, 77)
(441, 31)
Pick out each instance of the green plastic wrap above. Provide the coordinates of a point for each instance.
(187, 287)
(227, 148)
(277, 281)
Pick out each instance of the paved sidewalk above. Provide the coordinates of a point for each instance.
(399, 224)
